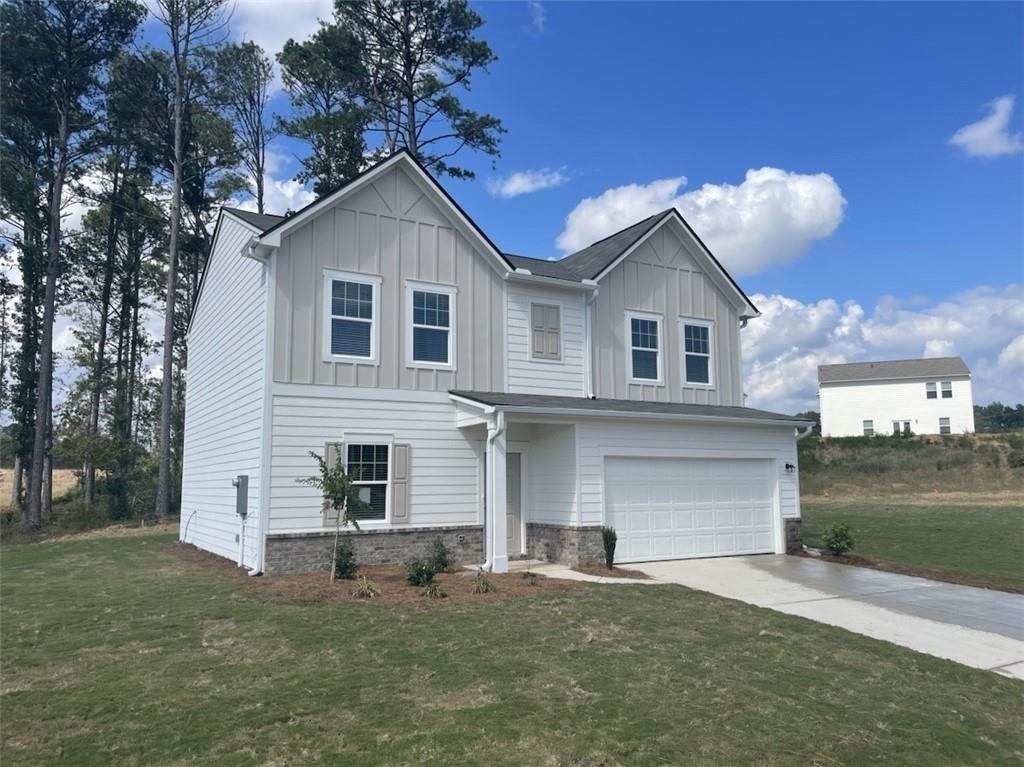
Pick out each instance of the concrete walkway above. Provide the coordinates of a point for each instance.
(977, 627)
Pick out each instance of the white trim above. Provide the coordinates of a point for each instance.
(374, 439)
(560, 360)
(374, 281)
(452, 292)
(523, 448)
(630, 315)
(266, 437)
(324, 391)
(710, 325)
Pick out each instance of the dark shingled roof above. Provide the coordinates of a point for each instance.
(933, 367)
(262, 221)
(598, 406)
(543, 267)
(595, 258)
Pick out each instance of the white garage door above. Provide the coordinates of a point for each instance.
(672, 508)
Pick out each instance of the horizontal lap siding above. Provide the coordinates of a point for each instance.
(845, 407)
(224, 397)
(552, 475)
(556, 377)
(444, 465)
(597, 439)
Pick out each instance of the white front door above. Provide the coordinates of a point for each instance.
(675, 508)
(514, 506)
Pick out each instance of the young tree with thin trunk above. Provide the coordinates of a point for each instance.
(190, 25)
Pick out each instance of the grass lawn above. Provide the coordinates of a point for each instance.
(977, 545)
(116, 651)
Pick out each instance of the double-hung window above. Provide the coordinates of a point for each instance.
(368, 466)
(944, 426)
(432, 323)
(869, 428)
(698, 340)
(947, 390)
(644, 347)
(930, 390)
(350, 306)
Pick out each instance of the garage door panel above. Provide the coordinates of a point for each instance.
(675, 508)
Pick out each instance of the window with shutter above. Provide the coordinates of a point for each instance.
(546, 331)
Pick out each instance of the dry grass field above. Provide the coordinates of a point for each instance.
(64, 480)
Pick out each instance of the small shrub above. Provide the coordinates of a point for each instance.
(530, 577)
(434, 591)
(481, 585)
(420, 572)
(442, 559)
(838, 538)
(609, 538)
(1016, 459)
(364, 589)
(345, 564)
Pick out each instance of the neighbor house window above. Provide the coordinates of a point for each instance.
(546, 332)
(645, 347)
(906, 429)
(930, 390)
(351, 311)
(432, 313)
(947, 390)
(944, 426)
(869, 428)
(895, 428)
(368, 465)
(697, 339)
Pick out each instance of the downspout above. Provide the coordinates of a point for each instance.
(492, 434)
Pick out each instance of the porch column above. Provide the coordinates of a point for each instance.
(497, 508)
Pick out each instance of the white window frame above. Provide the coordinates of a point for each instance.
(411, 286)
(869, 427)
(946, 386)
(949, 426)
(374, 281)
(659, 319)
(710, 325)
(375, 440)
(931, 390)
(560, 359)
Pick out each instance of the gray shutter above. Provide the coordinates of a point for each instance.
(400, 484)
(332, 452)
(553, 326)
(537, 329)
(546, 331)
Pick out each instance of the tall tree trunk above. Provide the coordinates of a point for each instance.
(16, 478)
(167, 384)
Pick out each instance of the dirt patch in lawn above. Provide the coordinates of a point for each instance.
(615, 572)
(920, 571)
(389, 581)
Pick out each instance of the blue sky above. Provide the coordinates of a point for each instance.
(870, 235)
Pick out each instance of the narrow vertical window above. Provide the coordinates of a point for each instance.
(947, 390)
(944, 426)
(645, 348)
(869, 428)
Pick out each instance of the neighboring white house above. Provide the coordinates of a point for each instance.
(924, 396)
(510, 405)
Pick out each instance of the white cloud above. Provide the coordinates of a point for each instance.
(525, 182)
(280, 196)
(538, 15)
(271, 24)
(990, 136)
(772, 217)
(783, 348)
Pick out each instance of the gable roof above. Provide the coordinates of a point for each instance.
(597, 257)
(932, 367)
(262, 221)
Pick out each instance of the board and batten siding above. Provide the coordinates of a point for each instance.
(663, 277)
(600, 439)
(845, 406)
(224, 388)
(391, 229)
(444, 462)
(562, 377)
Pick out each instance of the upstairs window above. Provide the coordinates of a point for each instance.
(431, 310)
(368, 465)
(546, 331)
(350, 306)
(645, 348)
(947, 390)
(869, 428)
(697, 346)
(930, 390)
(944, 426)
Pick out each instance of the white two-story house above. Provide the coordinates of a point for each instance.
(510, 405)
(897, 397)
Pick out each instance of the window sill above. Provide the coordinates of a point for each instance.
(351, 358)
(645, 382)
(430, 366)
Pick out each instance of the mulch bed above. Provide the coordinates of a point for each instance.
(389, 580)
(615, 572)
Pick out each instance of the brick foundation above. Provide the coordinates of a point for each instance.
(305, 552)
(570, 546)
(794, 536)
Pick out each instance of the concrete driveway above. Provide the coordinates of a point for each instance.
(977, 627)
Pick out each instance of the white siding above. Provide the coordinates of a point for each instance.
(552, 475)
(562, 377)
(444, 463)
(600, 439)
(845, 407)
(224, 397)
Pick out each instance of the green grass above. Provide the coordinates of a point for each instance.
(978, 545)
(116, 652)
